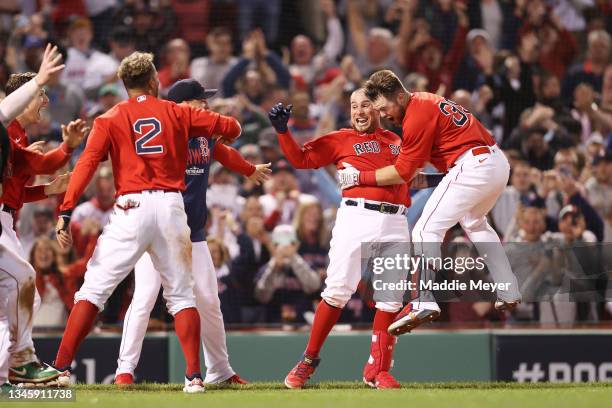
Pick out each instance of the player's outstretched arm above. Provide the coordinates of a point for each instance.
(313, 155)
(15, 103)
(202, 122)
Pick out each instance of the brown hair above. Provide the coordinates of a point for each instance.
(136, 70)
(384, 83)
(225, 256)
(16, 81)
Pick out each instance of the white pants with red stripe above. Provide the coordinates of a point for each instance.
(147, 285)
(354, 226)
(157, 224)
(465, 195)
(18, 282)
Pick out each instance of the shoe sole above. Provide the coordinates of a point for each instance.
(194, 390)
(369, 383)
(405, 324)
(291, 387)
(21, 380)
(507, 306)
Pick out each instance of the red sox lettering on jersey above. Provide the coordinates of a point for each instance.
(364, 151)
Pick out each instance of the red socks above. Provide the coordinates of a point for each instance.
(325, 318)
(79, 325)
(382, 320)
(187, 327)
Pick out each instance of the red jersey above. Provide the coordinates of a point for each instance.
(23, 165)
(437, 130)
(364, 151)
(146, 138)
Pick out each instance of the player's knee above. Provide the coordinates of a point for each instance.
(337, 298)
(91, 298)
(390, 307)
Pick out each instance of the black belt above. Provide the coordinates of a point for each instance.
(9, 210)
(384, 208)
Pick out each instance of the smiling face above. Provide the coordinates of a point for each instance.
(364, 118)
(393, 108)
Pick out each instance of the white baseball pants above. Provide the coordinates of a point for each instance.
(18, 280)
(147, 287)
(354, 225)
(157, 225)
(465, 195)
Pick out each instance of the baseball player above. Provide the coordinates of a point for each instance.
(379, 213)
(444, 133)
(147, 140)
(148, 282)
(17, 278)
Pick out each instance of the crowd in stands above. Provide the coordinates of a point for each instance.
(536, 73)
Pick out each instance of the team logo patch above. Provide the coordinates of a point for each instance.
(199, 152)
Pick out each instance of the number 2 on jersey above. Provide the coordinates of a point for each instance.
(460, 114)
(149, 129)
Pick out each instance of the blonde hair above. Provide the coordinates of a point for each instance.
(136, 70)
(299, 218)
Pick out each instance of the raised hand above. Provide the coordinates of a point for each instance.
(62, 230)
(262, 173)
(37, 147)
(74, 133)
(50, 65)
(279, 116)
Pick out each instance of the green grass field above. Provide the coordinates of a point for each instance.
(344, 395)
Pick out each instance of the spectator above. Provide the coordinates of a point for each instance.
(104, 70)
(599, 191)
(80, 54)
(254, 252)
(286, 282)
(94, 214)
(230, 302)
(53, 290)
(252, 80)
(151, 26)
(281, 201)
(519, 192)
(312, 234)
(42, 226)
(268, 12)
(176, 64)
(210, 71)
(305, 64)
(592, 69)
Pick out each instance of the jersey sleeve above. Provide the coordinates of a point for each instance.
(316, 153)
(203, 122)
(419, 131)
(230, 158)
(98, 144)
(35, 163)
(34, 193)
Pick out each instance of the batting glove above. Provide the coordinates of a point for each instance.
(348, 176)
(279, 116)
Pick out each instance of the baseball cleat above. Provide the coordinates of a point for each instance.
(502, 305)
(194, 385)
(33, 373)
(124, 379)
(383, 380)
(413, 316)
(235, 379)
(301, 373)
(65, 377)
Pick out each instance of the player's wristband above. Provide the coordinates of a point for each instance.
(65, 215)
(367, 178)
